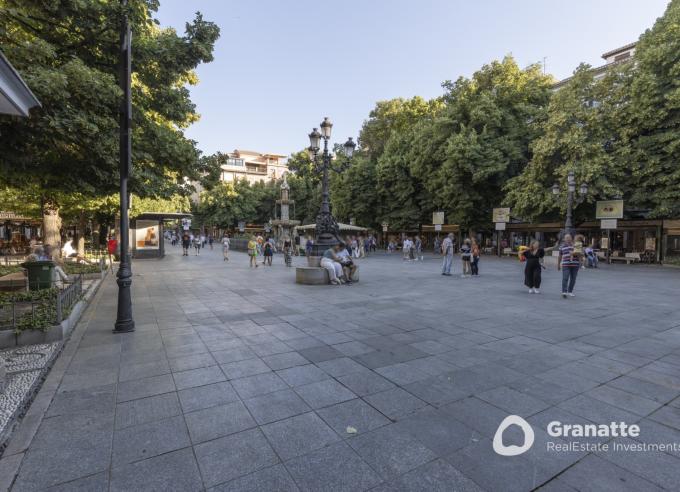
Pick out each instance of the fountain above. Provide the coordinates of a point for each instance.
(284, 225)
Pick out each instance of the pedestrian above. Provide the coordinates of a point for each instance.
(362, 247)
(570, 264)
(309, 244)
(466, 257)
(331, 262)
(226, 243)
(252, 252)
(112, 247)
(186, 242)
(210, 241)
(407, 249)
(534, 264)
(418, 246)
(288, 252)
(447, 252)
(203, 240)
(476, 254)
(437, 246)
(268, 252)
(197, 245)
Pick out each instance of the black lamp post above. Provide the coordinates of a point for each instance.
(571, 200)
(124, 321)
(327, 231)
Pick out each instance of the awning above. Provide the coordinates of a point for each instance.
(343, 227)
(15, 96)
(162, 215)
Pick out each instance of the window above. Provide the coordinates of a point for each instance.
(235, 162)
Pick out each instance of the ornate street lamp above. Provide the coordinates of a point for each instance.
(327, 231)
(124, 321)
(571, 200)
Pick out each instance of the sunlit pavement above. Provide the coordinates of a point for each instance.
(239, 379)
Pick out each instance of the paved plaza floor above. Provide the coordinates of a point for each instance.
(238, 379)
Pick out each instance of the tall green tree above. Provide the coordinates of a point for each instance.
(482, 139)
(67, 52)
(581, 134)
(651, 126)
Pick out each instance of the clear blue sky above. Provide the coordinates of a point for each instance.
(282, 65)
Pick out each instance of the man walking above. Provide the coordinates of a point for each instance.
(447, 252)
(570, 264)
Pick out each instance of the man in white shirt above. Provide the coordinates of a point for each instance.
(447, 253)
(406, 248)
(348, 266)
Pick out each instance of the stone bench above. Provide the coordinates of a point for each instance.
(314, 274)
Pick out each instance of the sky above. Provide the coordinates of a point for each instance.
(282, 65)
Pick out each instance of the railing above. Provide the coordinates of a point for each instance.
(41, 313)
(67, 297)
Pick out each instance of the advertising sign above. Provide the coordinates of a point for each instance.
(609, 209)
(500, 226)
(650, 244)
(608, 224)
(437, 218)
(437, 227)
(146, 234)
(501, 215)
(241, 225)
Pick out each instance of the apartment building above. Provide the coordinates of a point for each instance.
(253, 166)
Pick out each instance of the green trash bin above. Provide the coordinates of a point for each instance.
(40, 274)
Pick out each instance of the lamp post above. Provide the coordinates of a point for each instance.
(124, 321)
(571, 200)
(327, 231)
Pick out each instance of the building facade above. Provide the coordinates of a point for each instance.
(253, 166)
(619, 55)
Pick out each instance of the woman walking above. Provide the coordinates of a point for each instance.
(197, 245)
(476, 253)
(534, 265)
(186, 242)
(466, 256)
(268, 253)
(570, 264)
(252, 252)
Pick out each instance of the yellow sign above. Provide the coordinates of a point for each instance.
(501, 215)
(609, 209)
(438, 218)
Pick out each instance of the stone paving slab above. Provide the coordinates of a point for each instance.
(240, 379)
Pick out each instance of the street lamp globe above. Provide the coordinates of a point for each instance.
(584, 189)
(315, 139)
(326, 126)
(349, 147)
(311, 152)
(556, 189)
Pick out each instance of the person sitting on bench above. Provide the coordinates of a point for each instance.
(331, 262)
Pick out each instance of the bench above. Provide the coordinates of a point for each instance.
(314, 274)
(629, 258)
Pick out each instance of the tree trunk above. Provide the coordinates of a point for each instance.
(51, 224)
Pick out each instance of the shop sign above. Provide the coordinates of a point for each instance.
(609, 209)
(608, 224)
(501, 215)
(437, 218)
